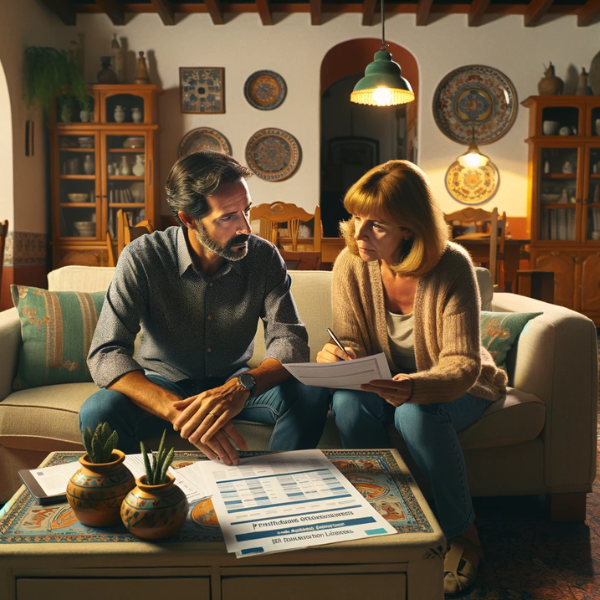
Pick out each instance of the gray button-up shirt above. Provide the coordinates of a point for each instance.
(193, 326)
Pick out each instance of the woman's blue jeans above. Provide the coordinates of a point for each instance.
(431, 435)
(298, 412)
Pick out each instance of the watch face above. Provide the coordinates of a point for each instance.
(247, 381)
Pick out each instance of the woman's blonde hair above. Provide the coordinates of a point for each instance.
(398, 192)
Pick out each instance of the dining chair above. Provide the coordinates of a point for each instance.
(301, 261)
(110, 249)
(3, 235)
(126, 232)
(496, 235)
(272, 215)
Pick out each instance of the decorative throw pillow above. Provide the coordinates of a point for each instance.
(56, 330)
(500, 330)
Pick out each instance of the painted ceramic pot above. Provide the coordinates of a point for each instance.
(154, 511)
(96, 491)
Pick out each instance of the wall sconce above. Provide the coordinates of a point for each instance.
(473, 158)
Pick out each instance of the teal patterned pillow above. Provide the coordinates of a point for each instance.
(56, 330)
(499, 331)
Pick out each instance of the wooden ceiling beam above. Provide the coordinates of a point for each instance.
(588, 13)
(476, 11)
(215, 10)
(165, 11)
(423, 10)
(114, 11)
(316, 12)
(264, 10)
(368, 10)
(536, 9)
(62, 10)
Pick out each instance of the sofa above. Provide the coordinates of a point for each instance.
(540, 439)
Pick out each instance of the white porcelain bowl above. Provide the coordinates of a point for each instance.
(85, 228)
(77, 197)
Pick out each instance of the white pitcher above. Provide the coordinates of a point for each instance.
(140, 167)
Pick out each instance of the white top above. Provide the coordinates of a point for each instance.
(400, 330)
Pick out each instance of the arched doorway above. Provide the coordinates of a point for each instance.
(353, 137)
(6, 172)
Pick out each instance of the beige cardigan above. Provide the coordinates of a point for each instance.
(449, 355)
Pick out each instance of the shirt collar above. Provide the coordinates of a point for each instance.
(185, 261)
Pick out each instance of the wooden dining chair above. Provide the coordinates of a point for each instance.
(272, 215)
(3, 236)
(126, 232)
(301, 261)
(110, 249)
(496, 236)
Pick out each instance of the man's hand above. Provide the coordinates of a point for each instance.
(204, 420)
(395, 391)
(331, 353)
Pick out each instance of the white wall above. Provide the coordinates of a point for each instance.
(295, 49)
(6, 154)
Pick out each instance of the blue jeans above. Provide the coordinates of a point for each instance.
(298, 411)
(431, 435)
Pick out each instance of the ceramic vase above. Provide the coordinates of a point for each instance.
(124, 169)
(88, 165)
(154, 511)
(139, 168)
(97, 491)
(582, 85)
(142, 70)
(119, 114)
(550, 84)
(136, 115)
(597, 126)
(106, 74)
(66, 113)
(84, 116)
(117, 53)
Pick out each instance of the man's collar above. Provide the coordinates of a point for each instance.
(184, 258)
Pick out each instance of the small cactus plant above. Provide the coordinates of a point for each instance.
(101, 443)
(161, 461)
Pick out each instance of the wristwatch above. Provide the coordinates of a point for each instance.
(247, 382)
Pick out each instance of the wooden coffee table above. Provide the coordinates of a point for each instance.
(45, 553)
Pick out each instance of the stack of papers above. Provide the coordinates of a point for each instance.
(286, 501)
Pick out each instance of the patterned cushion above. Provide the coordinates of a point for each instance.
(499, 331)
(57, 330)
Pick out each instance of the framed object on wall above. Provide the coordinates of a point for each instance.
(203, 138)
(202, 89)
(265, 90)
(273, 154)
(472, 186)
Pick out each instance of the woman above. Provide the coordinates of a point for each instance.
(401, 288)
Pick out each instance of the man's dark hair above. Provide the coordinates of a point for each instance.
(197, 175)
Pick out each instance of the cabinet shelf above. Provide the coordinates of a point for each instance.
(83, 150)
(126, 205)
(77, 205)
(559, 175)
(126, 178)
(82, 177)
(127, 150)
(559, 205)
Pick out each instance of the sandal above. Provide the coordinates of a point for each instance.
(460, 573)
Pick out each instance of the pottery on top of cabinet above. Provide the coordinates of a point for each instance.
(550, 84)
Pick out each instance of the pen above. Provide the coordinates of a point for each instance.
(337, 342)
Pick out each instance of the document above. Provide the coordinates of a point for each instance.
(53, 480)
(285, 501)
(345, 374)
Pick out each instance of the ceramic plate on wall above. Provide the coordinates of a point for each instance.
(203, 138)
(472, 186)
(475, 97)
(265, 90)
(273, 154)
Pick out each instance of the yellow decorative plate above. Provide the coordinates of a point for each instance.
(472, 186)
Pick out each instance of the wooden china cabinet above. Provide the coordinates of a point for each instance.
(102, 165)
(564, 197)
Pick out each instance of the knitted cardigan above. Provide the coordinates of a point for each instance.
(450, 358)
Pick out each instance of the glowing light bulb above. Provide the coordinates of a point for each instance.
(382, 96)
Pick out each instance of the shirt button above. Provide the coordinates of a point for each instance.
(209, 317)
(210, 285)
(209, 350)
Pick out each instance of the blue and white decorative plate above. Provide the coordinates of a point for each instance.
(265, 90)
(203, 138)
(273, 154)
(477, 99)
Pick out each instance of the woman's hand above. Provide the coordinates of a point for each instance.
(331, 353)
(395, 391)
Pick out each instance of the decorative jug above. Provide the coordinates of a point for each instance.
(125, 168)
(136, 115)
(119, 114)
(550, 84)
(84, 116)
(88, 165)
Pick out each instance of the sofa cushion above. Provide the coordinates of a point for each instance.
(500, 330)
(56, 330)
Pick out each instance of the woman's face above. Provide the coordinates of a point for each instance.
(379, 240)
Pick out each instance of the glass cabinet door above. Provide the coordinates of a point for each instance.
(558, 194)
(126, 177)
(592, 194)
(79, 201)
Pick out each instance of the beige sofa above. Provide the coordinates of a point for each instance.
(540, 440)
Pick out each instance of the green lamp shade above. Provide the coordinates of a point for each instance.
(383, 84)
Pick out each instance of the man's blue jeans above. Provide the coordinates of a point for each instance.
(298, 412)
(431, 435)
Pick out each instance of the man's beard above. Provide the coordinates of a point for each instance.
(223, 251)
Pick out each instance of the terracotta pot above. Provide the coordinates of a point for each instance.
(154, 511)
(550, 84)
(96, 491)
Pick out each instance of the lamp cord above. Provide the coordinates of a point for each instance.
(383, 47)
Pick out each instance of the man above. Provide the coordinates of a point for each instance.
(197, 291)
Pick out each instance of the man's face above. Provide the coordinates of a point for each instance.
(226, 229)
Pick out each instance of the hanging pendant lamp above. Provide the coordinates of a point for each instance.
(383, 84)
(473, 158)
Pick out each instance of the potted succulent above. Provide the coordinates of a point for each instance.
(52, 74)
(156, 507)
(97, 490)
